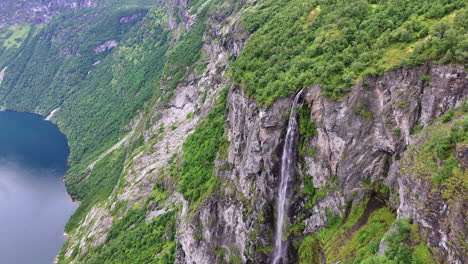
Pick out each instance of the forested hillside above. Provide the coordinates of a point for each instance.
(297, 44)
(176, 113)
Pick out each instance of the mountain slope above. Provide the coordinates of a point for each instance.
(176, 113)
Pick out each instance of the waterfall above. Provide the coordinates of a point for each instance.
(288, 162)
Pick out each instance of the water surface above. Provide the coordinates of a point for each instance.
(34, 205)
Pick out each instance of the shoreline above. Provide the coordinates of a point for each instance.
(68, 146)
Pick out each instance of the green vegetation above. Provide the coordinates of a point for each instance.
(135, 237)
(16, 35)
(95, 187)
(356, 239)
(98, 93)
(294, 44)
(362, 110)
(435, 158)
(309, 251)
(307, 129)
(396, 132)
(404, 245)
(298, 43)
(200, 150)
(133, 240)
(187, 52)
(349, 239)
(13, 39)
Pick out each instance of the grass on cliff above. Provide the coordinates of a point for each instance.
(298, 43)
(95, 187)
(355, 236)
(200, 151)
(351, 240)
(16, 35)
(133, 237)
(134, 240)
(12, 40)
(404, 245)
(434, 157)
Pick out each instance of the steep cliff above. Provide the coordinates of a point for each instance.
(178, 115)
(349, 150)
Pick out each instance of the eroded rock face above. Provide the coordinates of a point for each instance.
(440, 211)
(364, 136)
(110, 44)
(360, 137)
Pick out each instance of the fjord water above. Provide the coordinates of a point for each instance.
(34, 205)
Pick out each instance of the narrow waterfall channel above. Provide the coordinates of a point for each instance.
(288, 163)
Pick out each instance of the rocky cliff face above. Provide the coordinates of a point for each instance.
(359, 137)
(364, 136)
(360, 140)
(37, 11)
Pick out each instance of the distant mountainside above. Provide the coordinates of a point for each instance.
(177, 114)
(16, 12)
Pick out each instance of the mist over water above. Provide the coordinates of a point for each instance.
(34, 205)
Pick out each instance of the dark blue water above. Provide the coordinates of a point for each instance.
(34, 205)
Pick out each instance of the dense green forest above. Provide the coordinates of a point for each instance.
(299, 43)
(60, 66)
(99, 92)
(108, 66)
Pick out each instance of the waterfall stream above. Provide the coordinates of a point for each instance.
(288, 162)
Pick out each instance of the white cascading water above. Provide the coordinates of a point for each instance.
(288, 161)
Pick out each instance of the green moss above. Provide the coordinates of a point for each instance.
(435, 159)
(309, 251)
(200, 151)
(448, 116)
(426, 78)
(350, 239)
(396, 132)
(235, 259)
(307, 130)
(416, 130)
(423, 254)
(362, 110)
(404, 245)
